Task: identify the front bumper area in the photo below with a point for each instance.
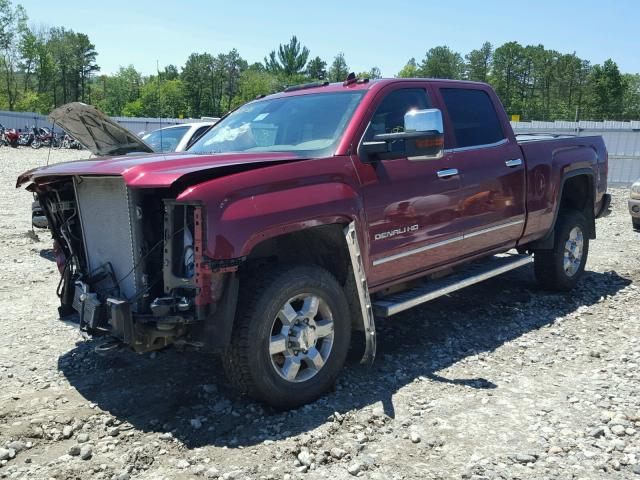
(634, 208)
(115, 317)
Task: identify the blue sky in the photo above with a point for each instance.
(372, 33)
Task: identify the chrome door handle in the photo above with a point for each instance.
(513, 163)
(448, 172)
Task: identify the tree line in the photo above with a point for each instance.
(42, 68)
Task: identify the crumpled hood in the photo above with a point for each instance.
(153, 170)
(96, 131)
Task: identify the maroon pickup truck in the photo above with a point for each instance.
(306, 214)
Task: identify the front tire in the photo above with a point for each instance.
(636, 223)
(291, 335)
(561, 267)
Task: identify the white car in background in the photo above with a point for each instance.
(177, 138)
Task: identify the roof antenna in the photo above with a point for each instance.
(159, 107)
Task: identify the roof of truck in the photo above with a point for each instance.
(364, 85)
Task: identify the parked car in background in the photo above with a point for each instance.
(634, 204)
(177, 138)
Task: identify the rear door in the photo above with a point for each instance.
(410, 204)
(492, 170)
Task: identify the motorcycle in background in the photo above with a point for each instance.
(43, 137)
(10, 137)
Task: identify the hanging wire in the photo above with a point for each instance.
(53, 132)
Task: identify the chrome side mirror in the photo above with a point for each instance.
(426, 128)
(429, 120)
(422, 139)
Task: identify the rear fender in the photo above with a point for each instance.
(547, 241)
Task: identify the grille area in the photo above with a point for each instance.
(111, 228)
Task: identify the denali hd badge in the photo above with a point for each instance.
(397, 231)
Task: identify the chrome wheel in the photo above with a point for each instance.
(573, 249)
(301, 337)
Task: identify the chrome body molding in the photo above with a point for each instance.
(431, 246)
(493, 229)
(476, 147)
(448, 241)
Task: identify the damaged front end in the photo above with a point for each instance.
(132, 263)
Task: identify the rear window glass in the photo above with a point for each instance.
(473, 116)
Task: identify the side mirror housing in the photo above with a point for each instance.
(422, 139)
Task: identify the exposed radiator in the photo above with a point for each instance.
(111, 229)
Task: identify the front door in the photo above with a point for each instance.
(410, 204)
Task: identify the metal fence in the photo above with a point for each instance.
(26, 120)
(621, 138)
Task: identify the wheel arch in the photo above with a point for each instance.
(577, 191)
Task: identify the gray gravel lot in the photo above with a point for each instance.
(502, 380)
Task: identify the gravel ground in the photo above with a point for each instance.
(502, 380)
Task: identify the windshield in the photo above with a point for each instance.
(310, 125)
(167, 140)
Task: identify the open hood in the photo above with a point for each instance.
(96, 131)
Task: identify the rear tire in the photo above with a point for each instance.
(282, 353)
(636, 223)
(561, 267)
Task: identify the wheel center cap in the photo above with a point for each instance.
(303, 337)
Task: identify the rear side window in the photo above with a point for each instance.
(473, 116)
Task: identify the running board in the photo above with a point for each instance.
(429, 290)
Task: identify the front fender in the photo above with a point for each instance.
(239, 214)
(249, 221)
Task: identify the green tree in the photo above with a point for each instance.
(372, 74)
(197, 80)
(120, 89)
(254, 82)
(631, 97)
(316, 69)
(607, 87)
(84, 64)
(13, 28)
(158, 98)
(478, 63)
(410, 70)
(339, 69)
(506, 74)
(170, 73)
(289, 60)
(441, 62)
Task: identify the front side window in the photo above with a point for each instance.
(166, 140)
(473, 117)
(310, 125)
(389, 116)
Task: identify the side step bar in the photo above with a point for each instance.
(475, 273)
